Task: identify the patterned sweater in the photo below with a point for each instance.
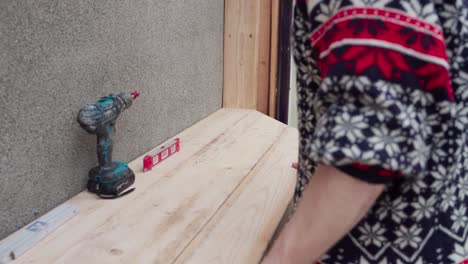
(383, 96)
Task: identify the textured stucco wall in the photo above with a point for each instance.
(59, 54)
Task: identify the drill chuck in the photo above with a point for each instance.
(92, 117)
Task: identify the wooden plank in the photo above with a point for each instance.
(240, 231)
(246, 54)
(193, 140)
(169, 207)
(273, 58)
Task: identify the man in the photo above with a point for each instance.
(383, 116)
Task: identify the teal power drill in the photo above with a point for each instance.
(110, 178)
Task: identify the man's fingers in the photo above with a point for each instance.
(295, 165)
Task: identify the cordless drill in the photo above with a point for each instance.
(110, 178)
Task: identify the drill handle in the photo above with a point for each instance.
(104, 146)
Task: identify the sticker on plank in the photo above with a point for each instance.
(24, 239)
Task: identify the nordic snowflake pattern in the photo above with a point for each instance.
(383, 96)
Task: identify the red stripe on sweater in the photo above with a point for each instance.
(385, 14)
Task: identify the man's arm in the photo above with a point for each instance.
(332, 204)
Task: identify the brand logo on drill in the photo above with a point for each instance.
(37, 226)
(120, 186)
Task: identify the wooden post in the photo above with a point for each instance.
(247, 54)
(273, 58)
(264, 51)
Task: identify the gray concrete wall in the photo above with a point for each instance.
(56, 55)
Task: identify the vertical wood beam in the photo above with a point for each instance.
(247, 54)
(263, 48)
(273, 58)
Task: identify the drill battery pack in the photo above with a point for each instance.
(111, 182)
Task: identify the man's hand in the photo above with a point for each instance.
(332, 205)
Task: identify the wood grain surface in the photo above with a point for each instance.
(247, 54)
(218, 200)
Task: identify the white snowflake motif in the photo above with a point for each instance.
(463, 187)
(377, 106)
(425, 129)
(307, 166)
(461, 118)
(457, 167)
(309, 95)
(408, 237)
(392, 89)
(349, 126)
(465, 153)
(327, 11)
(423, 208)
(372, 234)
(452, 16)
(359, 82)
(439, 153)
(382, 139)
(330, 150)
(373, 3)
(426, 12)
(464, 20)
(331, 86)
(354, 154)
(456, 170)
(416, 185)
(420, 154)
(385, 207)
(308, 118)
(300, 32)
(457, 61)
(394, 163)
(408, 117)
(398, 210)
(462, 81)
(459, 218)
(302, 29)
(439, 178)
(460, 254)
(309, 74)
(448, 198)
(318, 106)
(446, 108)
(433, 119)
(422, 98)
(465, 165)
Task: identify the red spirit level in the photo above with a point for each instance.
(160, 154)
